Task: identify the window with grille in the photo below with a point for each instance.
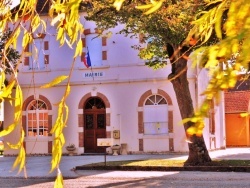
(155, 115)
(37, 118)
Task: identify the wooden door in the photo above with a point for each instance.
(94, 128)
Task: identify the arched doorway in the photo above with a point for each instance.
(94, 124)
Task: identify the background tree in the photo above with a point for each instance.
(164, 31)
(9, 60)
(227, 59)
(10, 57)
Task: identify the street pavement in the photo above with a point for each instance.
(39, 166)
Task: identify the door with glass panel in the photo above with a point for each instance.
(37, 128)
(94, 125)
(37, 119)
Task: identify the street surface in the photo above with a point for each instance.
(38, 168)
(139, 179)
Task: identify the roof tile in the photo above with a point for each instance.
(237, 101)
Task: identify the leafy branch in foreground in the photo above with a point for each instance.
(225, 59)
(65, 15)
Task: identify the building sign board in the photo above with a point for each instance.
(104, 141)
(93, 74)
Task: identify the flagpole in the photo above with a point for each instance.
(90, 64)
(92, 72)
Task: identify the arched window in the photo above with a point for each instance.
(94, 103)
(155, 115)
(37, 118)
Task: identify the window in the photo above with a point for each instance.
(94, 103)
(155, 115)
(95, 46)
(39, 58)
(37, 118)
(37, 54)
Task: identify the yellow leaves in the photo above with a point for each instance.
(35, 22)
(19, 144)
(8, 130)
(141, 7)
(197, 125)
(118, 4)
(197, 129)
(20, 160)
(222, 52)
(18, 104)
(234, 29)
(210, 20)
(78, 51)
(246, 114)
(67, 91)
(58, 18)
(60, 36)
(56, 81)
(2, 79)
(235, 47)
(27, 38)
(68, 20)
(218, 18)
(57, 130)
(59, 180)
(237, 16)
(13, 40)
(154, 6)
(6, 92)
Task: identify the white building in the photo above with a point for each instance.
(117, 93)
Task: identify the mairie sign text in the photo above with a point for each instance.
(93, 74)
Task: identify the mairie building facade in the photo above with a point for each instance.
(117, 98)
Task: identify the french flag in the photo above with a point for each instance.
(86, 60)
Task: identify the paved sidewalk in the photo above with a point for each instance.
(40, 166)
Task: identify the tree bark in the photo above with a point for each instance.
(198, 153)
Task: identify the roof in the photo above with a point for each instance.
(237, 101)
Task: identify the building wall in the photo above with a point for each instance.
(214, 140)
(122, 79)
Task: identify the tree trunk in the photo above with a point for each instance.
(198, 153)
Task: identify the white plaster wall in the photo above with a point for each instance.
(39, 146)
(156, 144)
(13, 137)
(219, 142)
(125, 80)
